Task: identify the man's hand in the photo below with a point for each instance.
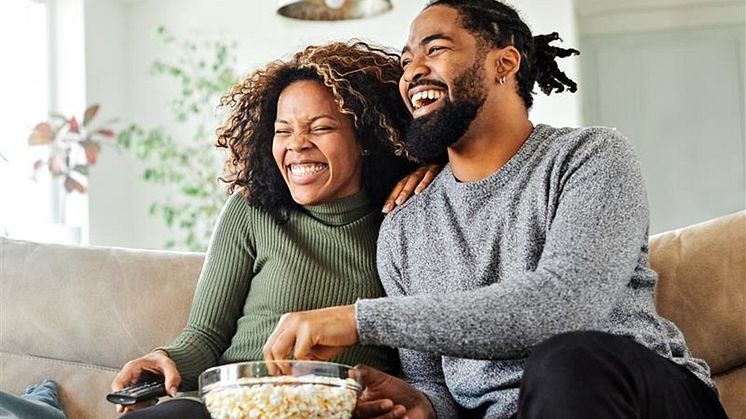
(316, 334)
(388, 397)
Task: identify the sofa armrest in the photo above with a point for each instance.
(702, 287)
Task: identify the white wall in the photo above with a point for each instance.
(120, 50)
(111, 180)
(669, 74)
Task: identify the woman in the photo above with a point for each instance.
(312, 156)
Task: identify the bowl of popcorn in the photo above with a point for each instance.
(280, 389)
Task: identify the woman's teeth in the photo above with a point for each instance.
(306, 169)
(425, 97)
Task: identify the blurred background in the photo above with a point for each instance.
(108, 107)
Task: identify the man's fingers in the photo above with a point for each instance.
(302, 346)
(373, 408)
(283, 346)
(397, 412)
(370, 377)
(277, 349)
(325, 353)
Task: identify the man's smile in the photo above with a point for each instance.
(425, 99)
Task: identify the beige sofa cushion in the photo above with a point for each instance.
(101, 306)
(82, 388)
(702, 287)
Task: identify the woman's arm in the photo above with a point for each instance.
(220, 295)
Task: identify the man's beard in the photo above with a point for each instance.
(429, 136)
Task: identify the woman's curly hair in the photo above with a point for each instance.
(364, 82)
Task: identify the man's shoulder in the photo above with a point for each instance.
(417, 206)
(592, 136)
(586, 142)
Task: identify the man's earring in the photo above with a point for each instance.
(501, 80)
(364, 152)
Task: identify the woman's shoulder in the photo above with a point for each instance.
(239, 207)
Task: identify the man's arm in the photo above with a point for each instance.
(425, 373)
(591, 250)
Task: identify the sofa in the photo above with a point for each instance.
(76, 314)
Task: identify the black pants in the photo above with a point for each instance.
(173, 409)
(598, 375)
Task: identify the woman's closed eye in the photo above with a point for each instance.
(322, 129)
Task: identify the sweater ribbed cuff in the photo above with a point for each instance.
(365, 311)
(443, 404)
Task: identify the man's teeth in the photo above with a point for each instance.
(424, 97)
(306, 169)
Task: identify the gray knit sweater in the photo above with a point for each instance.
(481, 272)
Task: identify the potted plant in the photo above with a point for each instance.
(73, 148)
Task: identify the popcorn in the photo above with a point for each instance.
(308, 396)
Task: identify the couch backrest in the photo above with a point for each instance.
(100, 306)
(702, 287)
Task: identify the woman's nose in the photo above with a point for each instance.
(298, 143)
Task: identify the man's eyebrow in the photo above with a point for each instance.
(428, 39)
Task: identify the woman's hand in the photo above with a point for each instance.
(157, 362)
(315, 334)
(415, 182)
(389, 397)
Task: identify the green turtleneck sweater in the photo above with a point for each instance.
(256, 270)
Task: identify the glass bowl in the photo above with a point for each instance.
(280, 389)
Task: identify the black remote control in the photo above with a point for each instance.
(149, 386)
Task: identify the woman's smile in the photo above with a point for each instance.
(305, 173)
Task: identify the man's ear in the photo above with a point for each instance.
(505, 63)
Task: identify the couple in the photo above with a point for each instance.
(517, 283)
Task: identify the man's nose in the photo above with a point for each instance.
(415, 70)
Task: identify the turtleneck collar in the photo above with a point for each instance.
(341, 211)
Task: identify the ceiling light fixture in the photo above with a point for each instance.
(332, 9)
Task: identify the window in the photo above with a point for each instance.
(29, 208)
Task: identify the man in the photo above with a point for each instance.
(518, 282)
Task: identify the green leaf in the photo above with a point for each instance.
(58, 116)
(82, 169)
